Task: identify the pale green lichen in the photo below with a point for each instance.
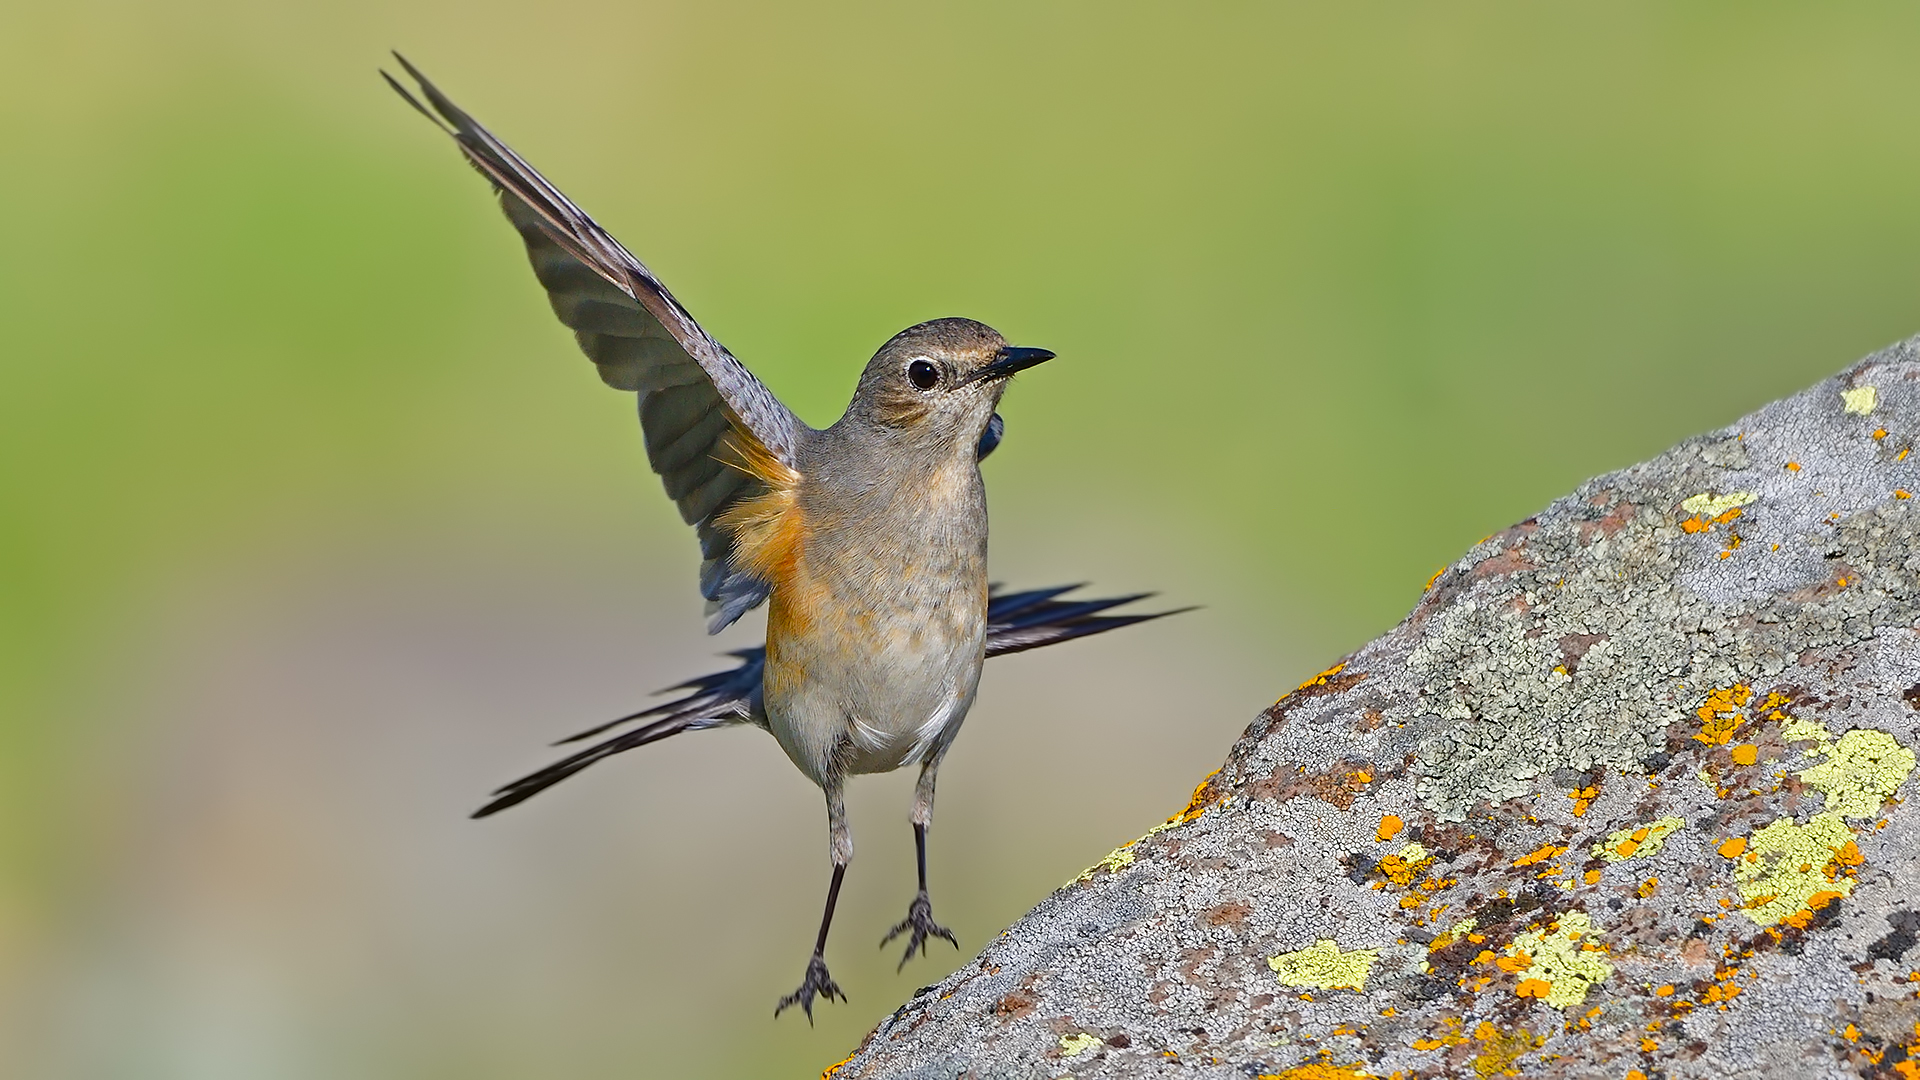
(1711, 505)
(1323, 966)
(1860, 400)
(1861, 771)
(1789, 867)
(1623, 844)
(1785, 869)
(1560, 959)
(1120, 858)
(1077, 1043)
(1412, 853)
(1798, 730)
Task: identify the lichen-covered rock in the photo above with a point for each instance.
(1621, 797)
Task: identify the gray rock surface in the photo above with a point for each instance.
(1621, 796)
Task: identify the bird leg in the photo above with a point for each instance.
(919, 924)
(817, 981)
(840, 837)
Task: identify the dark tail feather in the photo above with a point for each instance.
(1015, 622)
(728, 697)
(723, 693)
(1020, 621)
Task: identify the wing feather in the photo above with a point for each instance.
(692, 391)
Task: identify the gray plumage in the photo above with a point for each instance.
(867, 539)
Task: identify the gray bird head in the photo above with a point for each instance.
(934, 386)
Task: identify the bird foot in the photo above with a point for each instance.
(919, 920)
(817, 981)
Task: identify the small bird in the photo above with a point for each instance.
(867, 540)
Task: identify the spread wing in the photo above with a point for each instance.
(693, 393)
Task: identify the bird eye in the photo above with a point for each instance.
(923, 374)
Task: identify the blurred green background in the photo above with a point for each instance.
(313, 525)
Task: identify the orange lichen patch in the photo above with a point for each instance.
(1648, 887)
(1402, 868)
(1696, 524)
(1500, 1050)
(1592, 877)
(827, 1073)
(1799, 919)
(1635, 1074)
(1720, 714)
(1538, 855)
(1436, 577)
(1583, 797)
(1648, 1046)
(1533, 988)
(1902, 494)
(1514, 964)
(1793, 466)
(1902, 455)
(1411, 901)
(1204, 796)
(1879, 433)
(1318, 1071)
(1734, 848)
(1850, 1033)
(1390, 827)
(1322, 678)
(1663, 991)
(1746, 754)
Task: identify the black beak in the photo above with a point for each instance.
(1011, 359)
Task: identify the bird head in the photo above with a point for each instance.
(934, 386)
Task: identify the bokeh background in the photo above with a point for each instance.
(314, 527)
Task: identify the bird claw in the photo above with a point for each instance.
(919, 920)
(817, 981)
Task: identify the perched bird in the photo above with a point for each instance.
(867, 540)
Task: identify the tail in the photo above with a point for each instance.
(1016, 622)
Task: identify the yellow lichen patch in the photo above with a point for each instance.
(1077, 1043)
(1538, 855)
(1390, 827)
(1787, 865)
(1404, 865)
(827, 1073)
(1622, 844)
(1459, 930)
(1450, 1035)
(1720, 714)
(1711, 505)
(1860, 400)
(1861, 771)
(1324, 966)
(1745, 754)
(1567, 964)
(1500, 1050)
(1117, 860)
(1319, 1071)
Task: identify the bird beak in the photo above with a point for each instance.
(1011, 359)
